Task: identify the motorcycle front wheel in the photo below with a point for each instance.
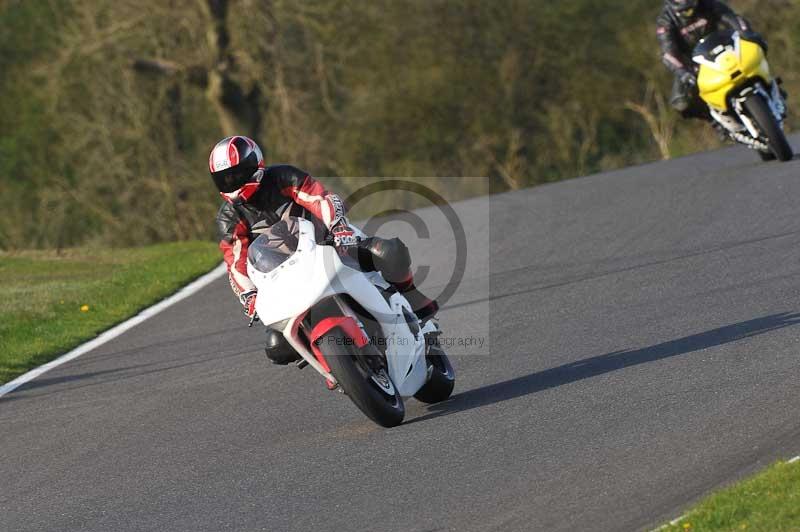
(442, 378)
(759, 111)
(362, 375)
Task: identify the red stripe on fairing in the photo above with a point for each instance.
(320, 357)
(348, 326)
(233, 153)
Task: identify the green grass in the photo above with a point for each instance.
(50, 302)
(769, 501)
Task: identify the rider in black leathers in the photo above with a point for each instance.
(259, 195)
(680, 26)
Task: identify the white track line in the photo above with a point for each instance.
(671, 523)
(678, 519)
(112, 333)
(793, 460)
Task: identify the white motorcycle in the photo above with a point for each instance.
(351, 326)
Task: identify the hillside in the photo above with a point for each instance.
(108, 108)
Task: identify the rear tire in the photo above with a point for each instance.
(443, 378)
(759, 111)
(346, 363)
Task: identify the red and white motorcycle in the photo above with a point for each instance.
(351, 326)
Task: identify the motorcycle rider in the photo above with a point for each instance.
(257, 195)
(679, 27)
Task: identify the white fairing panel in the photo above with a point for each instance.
(405, 351)
(315, 272)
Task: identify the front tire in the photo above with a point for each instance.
(759, 111)
(442, 380)
(350, 365)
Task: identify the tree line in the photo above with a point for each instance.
(108, 108)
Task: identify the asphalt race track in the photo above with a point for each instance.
(642, 333)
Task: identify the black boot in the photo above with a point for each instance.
(278, 349)
(391, 258)
(781, 89)
(722, 133)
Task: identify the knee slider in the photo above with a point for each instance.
(392, 258)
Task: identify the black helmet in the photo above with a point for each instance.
(235, 162)
(683, 8)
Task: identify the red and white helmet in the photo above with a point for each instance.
(236, 165)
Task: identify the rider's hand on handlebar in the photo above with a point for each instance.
(343, 235)
(688, 79)
(249, 302)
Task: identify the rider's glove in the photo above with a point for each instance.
(248, 300)
(343, 235)
(688, 79)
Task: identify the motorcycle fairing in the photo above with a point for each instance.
(727, 61)
(316, 272)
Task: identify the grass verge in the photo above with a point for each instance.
(51, 302)
(769, 501)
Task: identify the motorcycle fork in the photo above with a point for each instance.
(774, 100)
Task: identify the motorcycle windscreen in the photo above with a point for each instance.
(263, 255)
(713, 45)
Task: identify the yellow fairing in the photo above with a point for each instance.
(716, 82)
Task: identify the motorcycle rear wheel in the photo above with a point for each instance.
(759, 111)
(348, 363)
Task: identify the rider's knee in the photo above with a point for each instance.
(390, 257)
(680, 103)
(395, 250)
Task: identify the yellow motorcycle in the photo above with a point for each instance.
(742, 95)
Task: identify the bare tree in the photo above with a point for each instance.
(658, 116)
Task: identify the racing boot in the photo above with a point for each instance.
(782, 89)
(278, 350)
(391, 258)
(722, 133)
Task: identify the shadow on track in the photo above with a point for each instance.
(599, 365)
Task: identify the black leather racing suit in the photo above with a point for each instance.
(678, 36)
(288, 191)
